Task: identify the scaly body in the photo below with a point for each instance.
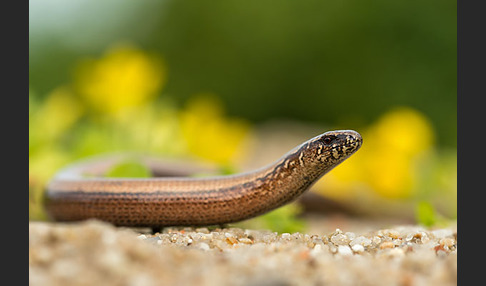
(159, 202)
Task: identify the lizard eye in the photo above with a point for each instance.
(328, 139)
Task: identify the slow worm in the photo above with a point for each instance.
(177, 201)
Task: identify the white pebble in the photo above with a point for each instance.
(358, 248)
(340, 239)
(376, 240)
(344, 250)
(425, 238)
(350, 235)
(332, 248)
(361, 240)
(203, 246)
(316, 250)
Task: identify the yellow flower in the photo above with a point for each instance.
(385, 163)
(404, 130)
(208, 134)
(122, 78)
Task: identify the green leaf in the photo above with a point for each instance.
(283, 219)
(425, 213)
(129, 169)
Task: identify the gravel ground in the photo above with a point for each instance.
(96, 253)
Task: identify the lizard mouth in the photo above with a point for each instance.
(345, 150)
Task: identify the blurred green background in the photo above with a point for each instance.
(150, 75)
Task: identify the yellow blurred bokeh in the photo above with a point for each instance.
(209, 134)
(123, 78)
(386, 162)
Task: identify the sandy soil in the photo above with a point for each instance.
(96, 253)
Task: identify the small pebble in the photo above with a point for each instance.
(358, 248)
(285, 236)
(245, 240)
(449, 242)
(350, 235)
(340, 239)
(392, 233)
(376, 240)
(387, 244)
(344, 250)
(203, 246)
(231, 240)
(361, 240)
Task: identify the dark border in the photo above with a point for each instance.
(14, 137)
(471, 78)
